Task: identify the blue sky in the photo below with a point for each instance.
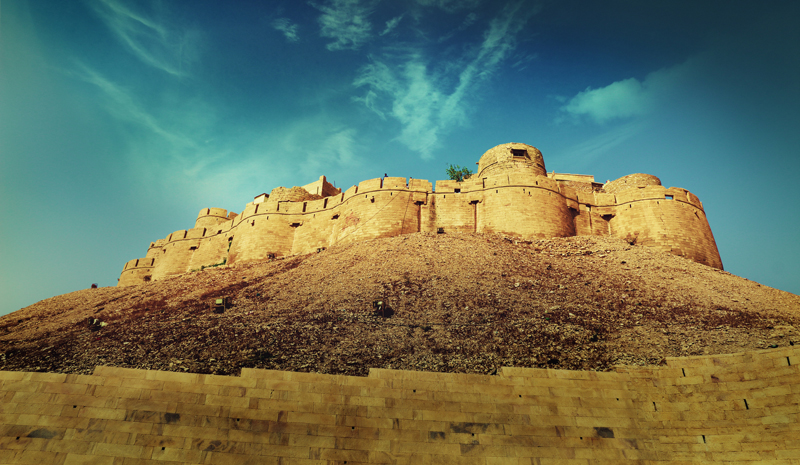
(120, 120)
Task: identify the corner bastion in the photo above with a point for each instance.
(511, 194)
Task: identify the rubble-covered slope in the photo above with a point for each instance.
(457, 303)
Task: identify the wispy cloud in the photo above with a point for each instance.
(469, 20)
(345, 21)
(451, 5)
(189, 152)
(288, 28)
(391, 24)
(626, 98)
(169, 49)
(523, 61)
(428, 103)
(602, 144)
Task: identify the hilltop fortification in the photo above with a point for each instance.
(511, 194)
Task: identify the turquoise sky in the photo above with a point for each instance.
(120, 120)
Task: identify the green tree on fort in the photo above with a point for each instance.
(457, 173)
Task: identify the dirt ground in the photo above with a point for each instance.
(465, 303)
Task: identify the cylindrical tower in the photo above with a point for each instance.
(519, 198)
(209, 217)
(671, 220)
(631, 180)
(516, 157)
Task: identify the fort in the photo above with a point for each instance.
(511, 194)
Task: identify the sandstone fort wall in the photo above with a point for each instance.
(512, 196)
(741, 408)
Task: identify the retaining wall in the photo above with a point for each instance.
(740, 408)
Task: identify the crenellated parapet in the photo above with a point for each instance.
(511, 194)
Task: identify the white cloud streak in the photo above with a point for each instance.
(345, 21)
(152, 42)
(288, 28)
(391, 25)
(187, 152)
(419, 98)
(627, 98)
(451, 5)
(602, 144)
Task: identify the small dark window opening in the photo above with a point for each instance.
(458, 191)
(607, 217)
(253, 223)
(668, 197)
(218, 232)
(147, 280)
(704, 439)
(372, 199)
(438, 231)
(325, 204)
(747, 407)
(304, 206)
(295, 225)
(194, 247)
(335, 217)
(519, 153)
(256, 212)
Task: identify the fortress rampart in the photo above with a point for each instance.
(732, 409)
(511, 194)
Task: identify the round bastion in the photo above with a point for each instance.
(629, 181)
(512, 156)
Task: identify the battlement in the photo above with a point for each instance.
(511, 194)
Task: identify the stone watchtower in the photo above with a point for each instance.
(514, 157)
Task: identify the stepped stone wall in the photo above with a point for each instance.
(740, 408)
(511, 194)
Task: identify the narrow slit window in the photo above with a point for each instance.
(519, 153)
(667, 197)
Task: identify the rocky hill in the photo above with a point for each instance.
(456, 303)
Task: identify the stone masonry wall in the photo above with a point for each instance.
(741, 408)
